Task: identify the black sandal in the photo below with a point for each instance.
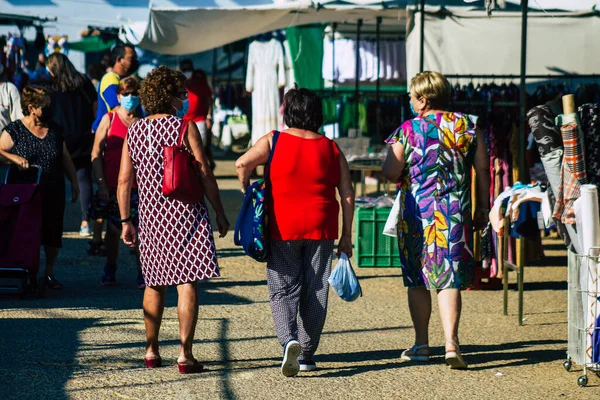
(53, 283)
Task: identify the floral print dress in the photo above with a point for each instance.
(435, 223)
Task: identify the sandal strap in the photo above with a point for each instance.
(416, 348)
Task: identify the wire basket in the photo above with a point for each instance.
(583, 312)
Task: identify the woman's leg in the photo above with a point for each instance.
(284, 280)
(113, 235)
(154, 305)
(450, 304)
(84, 178)
(419, 304)
(51, 256)
(187, 313)
(318, 256)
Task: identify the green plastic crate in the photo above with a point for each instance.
(372, 247)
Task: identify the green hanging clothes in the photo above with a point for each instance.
(330, 115)
(348, 120)
(306, 47)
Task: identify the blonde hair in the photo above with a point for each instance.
(432, 86)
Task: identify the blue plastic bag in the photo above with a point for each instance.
(343, 280)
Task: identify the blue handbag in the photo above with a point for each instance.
(251, 225)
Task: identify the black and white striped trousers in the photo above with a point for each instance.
(297, 273)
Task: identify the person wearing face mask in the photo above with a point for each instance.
(176, 241)
(10, 101)
(73, 103)
(106, 160)
(35, 139)
(200, 98)
(431, 156)
(122, 63)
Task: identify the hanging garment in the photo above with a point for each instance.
(549, 142)
(545, 132)
(328, 70)
(589, 115)
(290, 78)
(572, 173)
(266, 74)
(345, 60)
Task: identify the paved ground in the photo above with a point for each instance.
(87, 342)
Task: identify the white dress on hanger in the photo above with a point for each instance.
(265, 75)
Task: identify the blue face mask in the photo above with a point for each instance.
(184, 109)
(130, 102)
(412, 109)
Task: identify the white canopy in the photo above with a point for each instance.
(191, 30)
(471, 43)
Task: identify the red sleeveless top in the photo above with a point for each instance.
(304, 176)
(113, 150)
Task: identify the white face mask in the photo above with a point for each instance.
(188, 74)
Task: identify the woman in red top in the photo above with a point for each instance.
(305, 172)
(106, 160)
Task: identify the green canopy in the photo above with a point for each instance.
(92, 44)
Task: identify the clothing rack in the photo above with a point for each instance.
(358, 34)
(492, 76)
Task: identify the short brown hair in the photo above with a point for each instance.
(302, 109)
(130, 83)
(159, 88)
(432, 86)
(33, 95)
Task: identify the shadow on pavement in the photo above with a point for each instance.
(93, 296)
(529, 286)
(474, 356)
(38, 356)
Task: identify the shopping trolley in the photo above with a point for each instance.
(583, 313)
(20, 230)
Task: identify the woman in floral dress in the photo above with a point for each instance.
(431, 157)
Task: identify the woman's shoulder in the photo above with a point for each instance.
(459, 117)
(138, 124)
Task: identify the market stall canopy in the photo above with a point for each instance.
(466, 43)
(566, 5)
(190, 30)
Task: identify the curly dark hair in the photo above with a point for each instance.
(35, 96)
(159, 88)
(302, 109)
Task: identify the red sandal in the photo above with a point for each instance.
(153, 362)
(194, 368)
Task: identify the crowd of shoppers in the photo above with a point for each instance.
(107, 131)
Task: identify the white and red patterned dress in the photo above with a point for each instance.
(175, 239)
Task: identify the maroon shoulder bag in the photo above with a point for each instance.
(181, 180)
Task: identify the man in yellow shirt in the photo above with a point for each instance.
(124, 62)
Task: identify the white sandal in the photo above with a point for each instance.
(454, 359)
(411, 354)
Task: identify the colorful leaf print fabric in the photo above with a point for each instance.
(434, 224)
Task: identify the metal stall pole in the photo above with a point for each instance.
(378, 87)
(522, 141)
(229, 74)
(422, 44)
(357, 78)
(214, 70)
(333, 28)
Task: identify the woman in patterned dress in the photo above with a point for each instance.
(431, 157)
(176, 243)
